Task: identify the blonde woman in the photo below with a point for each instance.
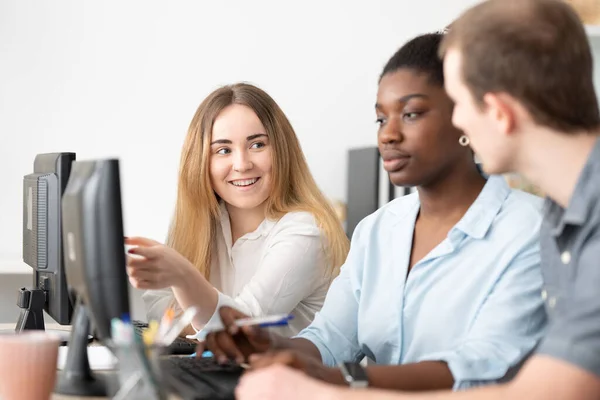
(251, 228)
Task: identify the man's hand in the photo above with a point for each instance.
(278, 382)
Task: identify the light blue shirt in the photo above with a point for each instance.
(474, 301)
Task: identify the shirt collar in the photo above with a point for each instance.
(582, 200)
(479, 217)
(263, 229)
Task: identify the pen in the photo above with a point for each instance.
(262, 322)
(165, 322)
(173, 331)
(150, 334)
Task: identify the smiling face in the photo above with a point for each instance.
(416, 138)
(241, 158)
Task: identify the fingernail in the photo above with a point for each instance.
(222, 360)
(239, 360)
(233, 329)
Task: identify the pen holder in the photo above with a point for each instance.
(138, 371)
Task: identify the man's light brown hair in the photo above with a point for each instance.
(537, 51)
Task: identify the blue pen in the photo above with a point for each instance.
(263, 322)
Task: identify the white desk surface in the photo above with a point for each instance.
(56, 396)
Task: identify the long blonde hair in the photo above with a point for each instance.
(194, 225)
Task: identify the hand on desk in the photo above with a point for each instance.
(157, 267)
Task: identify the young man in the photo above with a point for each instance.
(520, 73)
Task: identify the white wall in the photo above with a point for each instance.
(123, 78)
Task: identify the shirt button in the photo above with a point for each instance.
(552, 302)
(565, 257)
(544, 295)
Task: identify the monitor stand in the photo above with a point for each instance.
(31, 302)
(77, 378)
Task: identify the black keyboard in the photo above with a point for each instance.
(181, 346)
(195, 378)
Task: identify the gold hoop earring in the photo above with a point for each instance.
(464, 140)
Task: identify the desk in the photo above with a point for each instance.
(63, 397)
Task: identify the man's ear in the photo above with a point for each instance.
(500, 108)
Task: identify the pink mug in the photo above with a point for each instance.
(28, 365)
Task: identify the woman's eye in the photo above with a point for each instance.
(380, 121)
(410, 116)
(257, 145)
(223, 151)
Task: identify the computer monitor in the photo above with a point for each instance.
(42, 242)
(95, 266)
(362, 192)
(368, 186)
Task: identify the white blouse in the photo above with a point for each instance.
(279, 268)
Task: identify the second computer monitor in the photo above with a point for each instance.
(42, 237)
(94, 243)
